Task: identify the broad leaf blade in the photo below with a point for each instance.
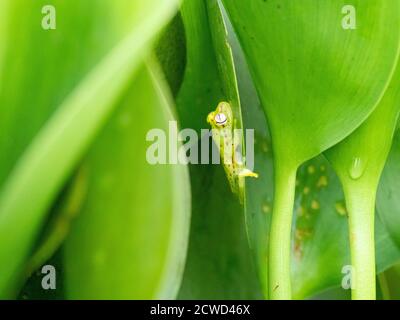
(129, 241)
(46, 163)
(316, 80)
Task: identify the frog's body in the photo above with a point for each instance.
(223, 123)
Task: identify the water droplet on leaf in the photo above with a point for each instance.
(357, 168)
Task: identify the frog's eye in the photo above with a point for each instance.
(221, 119)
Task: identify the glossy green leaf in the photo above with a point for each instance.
(129, 241)
(319, 238)
(359, 161)
(320, 245)
(316, 90)
(313, 96)
(35, 169)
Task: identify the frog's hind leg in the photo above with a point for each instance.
(244, 173)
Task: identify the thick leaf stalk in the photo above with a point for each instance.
(360, 201)
(280, 233)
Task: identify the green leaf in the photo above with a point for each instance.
(33, 289)
(220, 33)
(35, 169)
(321, 247)
(319, 237)
(388, 200)
(320, 244)
(171, 53)
(219, 264)
(130, 239)
(307, 107)
(201, 89)
(59, 222)
(390, 283)
(359, 161)
(258, 191)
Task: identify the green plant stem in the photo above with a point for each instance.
(280, 233)
(360, 199)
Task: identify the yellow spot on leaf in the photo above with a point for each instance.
(311, 169)
(266, 208)
(315, 205)
(265, 147)
(341, 208)
(322, 182)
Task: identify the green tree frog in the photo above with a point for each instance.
(229, 146)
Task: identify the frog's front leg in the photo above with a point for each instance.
(239, 160)
(246, 173)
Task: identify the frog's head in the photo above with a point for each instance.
(221, 117)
